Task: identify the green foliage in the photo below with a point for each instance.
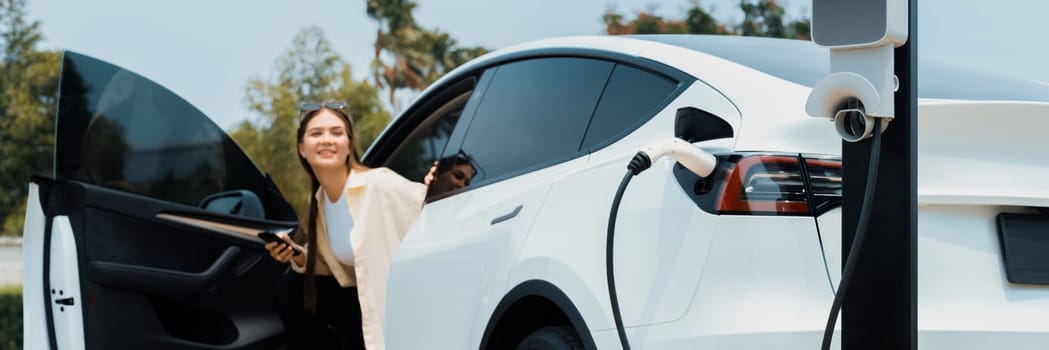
(699, 20)
(762, 18)
(28, 87)
(11, 317)
(12, 224)
(308, 71)
(408, 56)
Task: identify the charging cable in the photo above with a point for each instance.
(697, 160)
(703, 164)
(858, 238)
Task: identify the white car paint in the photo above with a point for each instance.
(64, 279)
(470, 280)
(34, 320)
(65, 283)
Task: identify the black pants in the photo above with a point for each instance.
(337, 323)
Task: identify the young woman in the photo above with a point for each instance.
(337, 293)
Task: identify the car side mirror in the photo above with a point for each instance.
(236, 202)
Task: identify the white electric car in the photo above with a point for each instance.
(143, 237)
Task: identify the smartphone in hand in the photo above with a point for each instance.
(269, 236)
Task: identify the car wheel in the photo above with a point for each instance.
(551, 338)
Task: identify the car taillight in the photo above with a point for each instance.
(762, 184)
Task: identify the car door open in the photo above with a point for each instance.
(145, 235)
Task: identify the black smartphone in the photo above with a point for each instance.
(272, 237)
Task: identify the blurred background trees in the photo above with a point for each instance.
(760, 18)
(407, 58)
(28, 88)
(308, 71)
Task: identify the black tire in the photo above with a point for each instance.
(551, 338)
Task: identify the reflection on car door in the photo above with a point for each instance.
(146, 231)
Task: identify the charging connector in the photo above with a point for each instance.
(697, 160)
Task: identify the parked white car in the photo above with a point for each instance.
(143, 237)
(743, 260)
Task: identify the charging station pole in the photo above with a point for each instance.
(880, 310)
(873, 77)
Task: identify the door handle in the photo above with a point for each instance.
(508, 216)
(160, 281)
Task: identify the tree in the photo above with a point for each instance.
(408, 56)
(699, 21)
(28, 87)
(308, 71)
(761, 18)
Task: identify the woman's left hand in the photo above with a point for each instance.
(284, 251)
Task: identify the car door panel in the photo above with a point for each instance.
(157, 278)
(147, 228)
(453, 235)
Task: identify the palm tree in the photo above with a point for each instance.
(406, 55)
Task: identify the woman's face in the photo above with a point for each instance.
(326, 142)
(457, 177)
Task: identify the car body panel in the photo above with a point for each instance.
(655, 221)
(983, 153)
(959, 263)
(472, 227)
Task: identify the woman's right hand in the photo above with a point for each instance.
(431, 175)
(283, 251)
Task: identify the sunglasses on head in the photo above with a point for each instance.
(307, 107)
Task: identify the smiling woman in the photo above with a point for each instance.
(357, 218)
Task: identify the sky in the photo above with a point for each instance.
(206, 51)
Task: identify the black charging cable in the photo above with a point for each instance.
(858, 238)
(639, 163)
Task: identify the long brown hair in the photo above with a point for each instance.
(309, 235)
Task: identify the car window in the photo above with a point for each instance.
(414, 157)
(631, 97)
(122, 131)
(533, 113)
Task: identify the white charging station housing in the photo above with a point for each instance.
(845, 24)
(861, 35)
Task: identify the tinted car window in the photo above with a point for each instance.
(533, 113)
(415, 156)
(631, 97)
(120, 130)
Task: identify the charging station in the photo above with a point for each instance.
(874, 75)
